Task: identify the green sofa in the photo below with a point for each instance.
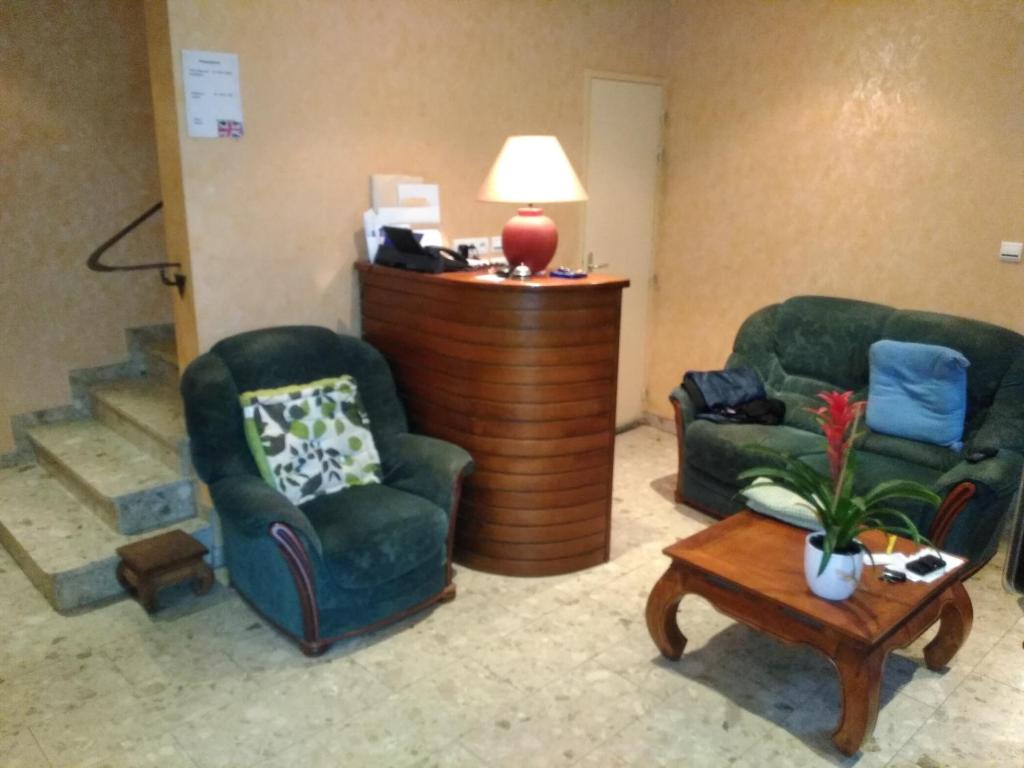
(813, 343)
(341, 563)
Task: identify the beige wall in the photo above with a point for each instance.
(77, 163)
(865, 149)
(335, 91)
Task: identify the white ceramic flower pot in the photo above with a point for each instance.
(841, 575)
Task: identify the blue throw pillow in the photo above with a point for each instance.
(918, 391)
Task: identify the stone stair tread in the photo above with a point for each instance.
(153, 404)
(165, 348)
(104, 460)
(58, 531)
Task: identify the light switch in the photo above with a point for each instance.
(1010, 252)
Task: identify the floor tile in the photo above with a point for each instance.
(562, 723)
(1005, 661)
(19, 749)
(979, 725)
(523, 672)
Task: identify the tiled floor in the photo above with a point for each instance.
(515, 672)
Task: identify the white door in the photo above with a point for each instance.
(624, 134)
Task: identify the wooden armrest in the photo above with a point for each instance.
(681, 440)
(949, 509)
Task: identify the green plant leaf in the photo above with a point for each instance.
(908, 524)
(902, 489)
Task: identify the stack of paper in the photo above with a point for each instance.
(898, 562)
(402, 201)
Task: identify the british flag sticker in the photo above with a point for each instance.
(230, 129)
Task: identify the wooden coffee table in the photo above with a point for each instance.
(750, 567)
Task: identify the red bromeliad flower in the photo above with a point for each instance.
(836, 418)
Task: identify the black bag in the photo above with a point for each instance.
(732, 396)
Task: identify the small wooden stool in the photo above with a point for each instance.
(149, 565)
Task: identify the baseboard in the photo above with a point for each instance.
(663, 423)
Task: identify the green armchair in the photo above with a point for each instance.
(813, 343)
(342, 563)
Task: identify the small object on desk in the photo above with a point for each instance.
(890, 544)
(521, 272)
(149, 565)
(900, 562)
(893, 576)
(924, 565)
(567, 273)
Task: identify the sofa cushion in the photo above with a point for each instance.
(827, 339)
(799, 409)
(372, 534)
(720, 449)
(918, 391)
(927, 455)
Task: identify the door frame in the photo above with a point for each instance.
(589, 75)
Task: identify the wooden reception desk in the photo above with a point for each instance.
(523, 376)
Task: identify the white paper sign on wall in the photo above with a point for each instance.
(213, 100)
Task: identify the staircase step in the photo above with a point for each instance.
(64, 550)
(165, 349)
(128, 489)
(155, 348)
(160, 356)
(147, 412)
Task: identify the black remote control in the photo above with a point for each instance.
(922, 566)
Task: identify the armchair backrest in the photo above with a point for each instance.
(270, 358)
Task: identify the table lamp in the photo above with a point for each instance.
(531, 169)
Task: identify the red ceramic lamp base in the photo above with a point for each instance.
(530, 238)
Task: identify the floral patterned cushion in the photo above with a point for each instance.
(311, 439)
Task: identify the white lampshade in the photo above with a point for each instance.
(532, 169)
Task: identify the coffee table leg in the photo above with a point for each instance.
(662, 605)
(954, 626)
(860, 677)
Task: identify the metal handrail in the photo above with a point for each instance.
(93, 262)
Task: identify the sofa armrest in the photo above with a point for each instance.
(253, 507)
(682, 402)
(976, 499)
(998, 474)
(1003, 423)
(685, 413)
(427, 467)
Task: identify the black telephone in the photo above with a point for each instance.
(401, 249)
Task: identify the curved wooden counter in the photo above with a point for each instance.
(522, 375)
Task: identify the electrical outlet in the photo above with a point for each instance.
(1010, 252)
(496, 244)
(480, 244)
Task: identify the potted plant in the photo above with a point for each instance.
(833, 556)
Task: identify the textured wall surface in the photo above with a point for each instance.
(872, 150)
(77, 163)
(333, 92)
